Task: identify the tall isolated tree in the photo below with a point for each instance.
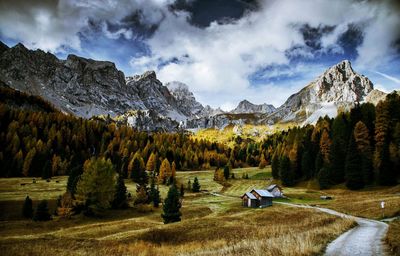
(154, 192)
(226, 172)
(196, 185)
(27, 209)
(172, 204)
(96, 187)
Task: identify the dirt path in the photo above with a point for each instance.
(364, 239)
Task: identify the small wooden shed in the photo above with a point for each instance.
(249, 200)
(264, 197)
(275, 190)
(257, 198)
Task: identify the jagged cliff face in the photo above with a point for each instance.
(186, 102)
(339, 87)
(76, 85)
(87, 88)
(245, 107)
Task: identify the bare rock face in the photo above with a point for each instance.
(86, 88)
(185, 100)
(247, 107)
(339, 87)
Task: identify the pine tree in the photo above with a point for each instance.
(173, 169)
(325, 146)
(136, 169)
(189, 185)
(353, 170)
(196, 185)
(172, 205)
(96, 187)
(165, 171)
(362, 139)
(73, 179)
(386, 174)
(319, 163)
(307, 165)
(42, 212)
(226, 172)
(324, 179)
(120, 198)
(154, 193)
(27, 168)
(285, 172)
(46, 171)
(151, 162)
(27, 209)
(275, 166)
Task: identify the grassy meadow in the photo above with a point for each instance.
(213, 221)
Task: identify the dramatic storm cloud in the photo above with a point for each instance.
(225, 50)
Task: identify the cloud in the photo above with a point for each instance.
(222, 57)
(391, 78)
(52, 25)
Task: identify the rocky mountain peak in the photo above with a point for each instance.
(148, 75)
(185, 99)
(340, 84)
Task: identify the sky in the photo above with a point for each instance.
(224, 50)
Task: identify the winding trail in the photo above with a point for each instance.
(366, 239)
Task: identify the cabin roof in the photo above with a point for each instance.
(272, 186)
(249, 195)
(263, 193)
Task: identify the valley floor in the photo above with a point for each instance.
(211, 225)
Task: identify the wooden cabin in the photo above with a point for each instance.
(257, 198)
(275, 190)
(249, 200)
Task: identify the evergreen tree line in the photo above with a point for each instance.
(360, 147)
(39, 143)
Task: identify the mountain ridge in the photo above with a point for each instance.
(87, 88)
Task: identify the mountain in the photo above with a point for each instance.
(84, 87)
(338, 88)
(247, 107)
(186, 102)
(90, 88)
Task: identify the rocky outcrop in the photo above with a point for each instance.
(185, 100)
(247, 107)
(86, 88)
(339, 87)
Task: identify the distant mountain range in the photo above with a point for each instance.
(97, 89)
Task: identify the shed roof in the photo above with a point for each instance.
(271, 187)
(249, 195)
(263, 193)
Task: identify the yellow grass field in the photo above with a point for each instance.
(212, 224)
